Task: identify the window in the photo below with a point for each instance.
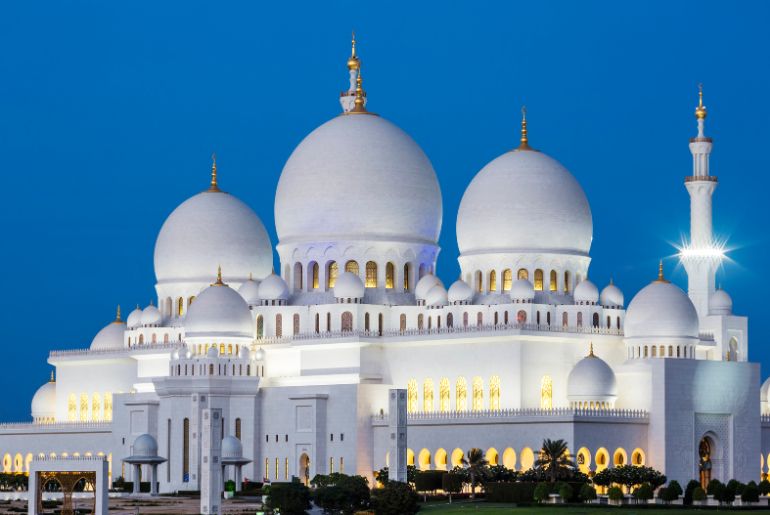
(190, 301)
(427, 395)
(554, 279)
(267, 468)
(347, 321)
(546, 393)
(72, 407)
(313, 269)
(331, 274)
(479, 319)
(328, 322)
(494, 393)
(443, 394)
(492, 280)
(566, 281)
(317, 323)
(298, 276)
(179, 306)
(186, 450)
(406, 277)
(96, 407)
(238, 428)
(522, 274)
(331, 465)
(352, 267)
(507, 279)
(278, 325)
(286, 468)
(479, 282)
(595, 319)
(411, 396)
(580, 319)
(565, 319)
(521, 317)
(83, 407)
(420, 321)
(465, 319)
(371, 274)
(461, 394)
(390, 276)
(296, 324)
(478, 394)
(108, 406)
(450, 320)
(538, 280)
(379, 324)
(366, 322)
(260, 327)
(402, 322)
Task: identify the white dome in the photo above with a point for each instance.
(145, 446)
(348, 286)
(151, 316)
(249, 290)
(44, 402)
(259, 354)
(436, 296)
(231, 447)
(273, 287)
(586, 292)
(720, 303)
(212, 352)
(460, 291)
(524, 201)
(358, 177)
(611, 296)
(219, 311)
(208, 230)
(763, 391)
(661, 310)
(424, 285)
(134, 319)
(110, 337)
(522, 289)
(592, 380)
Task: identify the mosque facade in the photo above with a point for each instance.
(301, 358)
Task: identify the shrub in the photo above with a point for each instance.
(675, 487)
(698, 494)
(289, 498)
(510, 492)
(689, 489)
(629, 476)
(428, 480)
(396, 498)
(713, 487)
(566, 492)
(669, 493)
(587, 493)
(728, 494)
(644, 492)
(451, 483)
(615, 494)
(340, 493)
(542, 491)
(229, 485)
(764, 487)
(500, 473)
(750, 494)
(735, 486)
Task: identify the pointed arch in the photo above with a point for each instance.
(492, 280)
(538, 280)
(494, 393)
(390, 275)
(507, 279)
(546, 392)
(522, 273)
(427, 395)
(332, 270)
(411, 396)
(443, 394)
(553, 283)
(478, 394)
(461, 394)
(371, 275)
(352, 267)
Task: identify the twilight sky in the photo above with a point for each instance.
(109, 112)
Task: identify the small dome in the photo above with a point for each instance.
(44, 402)
(110, 337)
(219, 311)
(611, 296)
(244, 352)
(259, 355)
(592, 380)
(151, 316)
(249, 290)
(348, 286)
(460, 291)
(763, 391)
(212, 352)
(145, 446)
(586, 292)
(522, 289)
(231, 447)
(720, 303)
(273, 287)
(661, 310)
(424, 284)
(436, 296)
(134, 318)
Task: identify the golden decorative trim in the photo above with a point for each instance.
(591, 350)
(661, 277)
(524, 145)
(700, 111)
(353, 62)
(219, 278)
(117, 316)
(214, 187)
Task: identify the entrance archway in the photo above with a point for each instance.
(304, 468)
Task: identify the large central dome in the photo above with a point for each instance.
(358, 177)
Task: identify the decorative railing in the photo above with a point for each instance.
(485, 328)
(765, 418)
(709, 337)
(695, 178)
(521, 412)
(57, 426)
(69, 458)
(150, 347)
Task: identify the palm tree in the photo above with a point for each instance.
(477, 467)
(554, 458)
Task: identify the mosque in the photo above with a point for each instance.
(301, 358)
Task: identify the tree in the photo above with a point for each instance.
(501, 473)
(566, 492)
(452, 483)
(554, 459)
(689, 489)
(476, 464)
(289, 498)
(587, 493)
(675, 488)
(643, 492)
(615, 494)
(382, 476)
(396, 498)
(750, 493)
(698, 494)
(629, 476)
(764, 487)
(340, 493)
(542, 491)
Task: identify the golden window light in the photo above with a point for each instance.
(84, 407)
(411, 396)
(371, 275)
(406, 277)
(478, 394)
(554, 279)
(492, 280)
(314, 269)
(443, 388)
(72, 407)
(507, 279)
(331, 274)
(538, 280)
(427, 395)
(546, 393)
(352, 267)
(494, 393)
(390, 274)
(461, 394)
(522, 274)
(96, 407)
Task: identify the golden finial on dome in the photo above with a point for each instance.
(214, 186)
(591, 350)
(353, 62)
(359, 106)
(524, 145)
(661, 277)
(53, 378)
(219, 277)
(117, 315)
(700, 111)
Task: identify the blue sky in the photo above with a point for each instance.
(109, 112)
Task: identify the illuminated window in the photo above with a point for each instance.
(427, 395)
(96, 406)
(479, 282)
(261, 327)
(554, 279)
(461, 394)
(342, 465)
(314, 272)
(371, 274)
(406, 277)
(538, 280)
(297, 276)
(390, 275)
(580, 319)
(238, 428)
(267, 468)
(278, 325)
(443, 394)
(83, 407)
(221, 349)
(286, 468)
(108, 406)
(420, 321)
(331, 465)
(494, 393)
(331, 274)
(565, 319)
(179, 306)
(72, 407)
(478, 394)
(276, 469)
(492, 281)
(352, 267)
(450, 321)
(411, 396)
(546, 393)
(141, 339)
(507, 279)
(522, 274)
(566, 281)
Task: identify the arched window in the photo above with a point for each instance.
(367, 326)
(278, 325)
(238, 428)
(617, 323)
(371, 274)
(186, 450)
(554, 279)
(84, 407)
(494, 393)
(670, 351)
(190, 301)
(450, 320)
(496, 318)
(379, 324)
(521, 317)
(566, 281)
(260, 327)
(331, 274)
(546, 393)
(427, 395)
(296, 324)
(443, 393)
(478, 394)
(317, 323)
(522, 274)
(565, 319)
(312, 269)
(298, 276)
(479, 319)
(609, 322)
(595, 320)
(507, 279)
(402, 322)
(347, 321)
(407, 268)
(461, 394)
(492, 280)
(352, 267)
(141, 339)
(221, 349)
(154, 338)
(72, 407)
(420, 321)
(479, 282)
(548, 318)
(580, 319)
(411, 396)
(538, 280)
(328, 322)
(179, 306)
(537, 318)
(390, 275)
(506, 318)
(108, 406)
(465, 319)
(165, 338)
(96, 407)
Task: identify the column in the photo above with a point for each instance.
(136, 478)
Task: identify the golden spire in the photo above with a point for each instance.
(700, 111)
(661, 277)
(53, 378)
(219, 277)
(591, 350)
(353, 62)
(117, 315)
(214, 186)
(524, 145)
(359, 106)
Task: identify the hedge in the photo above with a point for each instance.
(510, 492)
(428, 480)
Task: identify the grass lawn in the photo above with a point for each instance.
(484, 508)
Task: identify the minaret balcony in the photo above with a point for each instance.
(696, 178)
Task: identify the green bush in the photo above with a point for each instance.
(229, 485)
(669, 493)
(289, 498)
(675, 488)
(452, 483)
(566, 492)
(542, 491)
(689, 489)
(615, 494)
(395, 498)
(629, 476)
(643, 492)
(510, 492)
(750, 494)
(764, 487)
(340, 493)
(735, 486)
(587, 493)
(428, 480)
(713, 487)
(698, 494)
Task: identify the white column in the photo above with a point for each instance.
(136, 479)
(154, 480)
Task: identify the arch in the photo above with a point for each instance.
(422, 271)
(427, 395)
(402, 322)
(108, 406)
(411, 396)
(507, 279)
(367, 325)
(295, 324)
(423, 459)
(566, 281)
(505, 317)
(440, 459)
(527, 459)
(390, 275)
(72, 407)
(509, 458)
(444, 404)
(332, 270)
(18, 463)
(169, 306)
(580, 319)
(538, 280)
(492, 280)
(732, 349)
(409, 456)
(261, 326)
(298, 276)
(461, 394)
(565, 319)
(352, 266)
(553, 281)
(450, 320)
(96, 407)
(496, 318)
(638, 457)
(601, 459)
(583, 460)
(379, 324)
(479, 281)
(465, 319)
(304, 468)
(620, 457)
(479, 319)
(522, 273)
(547, 318)
(521, 317)
(141, 339)
(371, 274)
(179, 306)
(596, 320)
(494, 393)
(708, 453)
(278, 325)
(457, 458)
(7, 463)
(478, 394)
(420, 321)
(84, 415)
(347, 321)
(546, 392)
(312, 275)
(407, 280)
(492, 456)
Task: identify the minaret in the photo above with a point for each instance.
(348, 98)
(701, 256)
